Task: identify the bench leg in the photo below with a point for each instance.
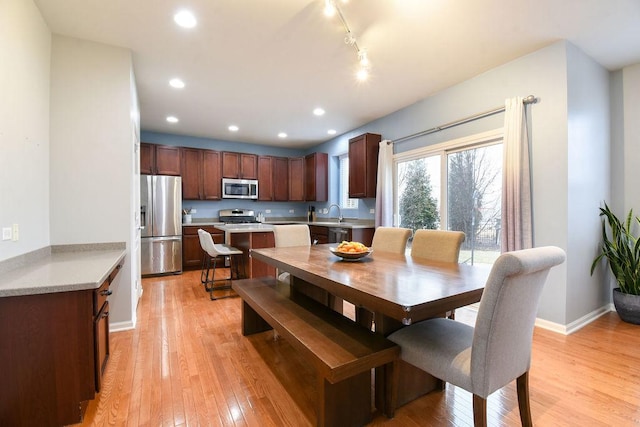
(252, 323)
(346, 403)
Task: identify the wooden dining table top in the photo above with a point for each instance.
(401, 287)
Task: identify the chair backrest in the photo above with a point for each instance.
(437, 245)
(206, 242)
(501, 348)
(291, 235)
(390, 239)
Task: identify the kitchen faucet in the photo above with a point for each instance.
(339, 212)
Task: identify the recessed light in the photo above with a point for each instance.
(177, 83)
(318, 111)
(172, 119)
(282, 135)
(234, 128)
(362, 74)
(185, 19)
(331, 131)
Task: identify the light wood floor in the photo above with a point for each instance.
(187, 363)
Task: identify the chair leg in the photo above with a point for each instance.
(523, 399)
(479, 411)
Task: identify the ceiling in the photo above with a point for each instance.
(265, 65)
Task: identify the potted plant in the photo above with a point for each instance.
(621, 249)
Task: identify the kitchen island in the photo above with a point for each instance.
(247, 237)
(54, 329)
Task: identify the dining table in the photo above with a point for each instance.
(398, 289)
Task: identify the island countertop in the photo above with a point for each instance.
(60, 269)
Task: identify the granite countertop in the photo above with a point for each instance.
(248, 228)
(60, 269)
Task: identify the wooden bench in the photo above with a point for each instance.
(342, 351)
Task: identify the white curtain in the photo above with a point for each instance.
(517, 229)
(384, 190)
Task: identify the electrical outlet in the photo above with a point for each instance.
(267, 211)
(6, 233)
(325, 211)
(193, 211)
(15, 233)
(291, 210)
(372, 211)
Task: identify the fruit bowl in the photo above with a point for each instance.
(350, 256)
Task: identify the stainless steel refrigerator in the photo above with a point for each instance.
(161, 219)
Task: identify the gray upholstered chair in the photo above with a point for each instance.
(213, 252)
(390, 239)
(484, 359)
(437, 245)
(290, 235)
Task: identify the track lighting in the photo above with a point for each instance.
(331, 8)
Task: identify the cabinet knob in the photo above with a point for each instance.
(106, 292)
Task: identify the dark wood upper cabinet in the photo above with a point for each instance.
(239, 165)
(296, 179)
(363, 165)
(316, 177)
(159, 159)
(265, 178)
(200, 174)
(280, 179)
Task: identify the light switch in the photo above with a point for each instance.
(6, 233)
(15, 233)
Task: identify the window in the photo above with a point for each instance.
(454, 186)
(345, 201)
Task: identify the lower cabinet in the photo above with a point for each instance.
(54, 351)
(319, 235)
(192, 252)
(255, 240)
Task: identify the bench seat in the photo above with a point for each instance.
(342, 351)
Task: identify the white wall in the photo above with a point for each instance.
(631, 130)
(25, 48)
(588, 180)
(92, 154)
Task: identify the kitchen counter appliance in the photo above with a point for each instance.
(239, 188)
(161, 222)
(237, 216)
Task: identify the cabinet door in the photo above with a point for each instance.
(230, 165)
(265, 178)
(316, 177)
(101, 343)
(259, 268)
(363, 165)
(296, 179)
(211, 180)
(191, 177)
(167, 160)
(248, 166)
(280, 179)
(147, 158)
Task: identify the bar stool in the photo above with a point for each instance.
(212, 253)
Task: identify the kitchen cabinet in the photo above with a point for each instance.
(254, 240)
(55, 347)
(336, 234)
(280, 179)
(192, 253)
(319, 234)
(201, 179)
(296, 179)
(159, 159)
(363, 165)
(239, 165)
(265, 178)
(316, 177)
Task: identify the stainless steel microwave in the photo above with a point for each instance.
(239, 188)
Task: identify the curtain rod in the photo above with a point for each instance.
(528, 100)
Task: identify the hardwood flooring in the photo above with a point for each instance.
(187, 363)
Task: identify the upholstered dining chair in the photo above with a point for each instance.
(484, 359)
(213, 252)
(437, 245)
(390, 239)
(287, 236)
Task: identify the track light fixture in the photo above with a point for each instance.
(331, 8)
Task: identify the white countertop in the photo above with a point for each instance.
(246, 228)
(61, 271)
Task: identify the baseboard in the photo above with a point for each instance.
(121, 326)
(576, 324)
